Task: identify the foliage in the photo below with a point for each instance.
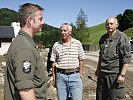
(83, 35)
(74, 30)
(47, 28)
(48, 36)
(80, 31)
(81, 20)
(129, 32)
(125, 20)
(37, 37)
(8, 16)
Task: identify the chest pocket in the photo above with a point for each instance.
(110, 50)
(113, 50)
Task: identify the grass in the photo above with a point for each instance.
(96, 32)
(129, 32)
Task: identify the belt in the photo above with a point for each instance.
(68, 71)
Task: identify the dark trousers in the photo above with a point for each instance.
(108, 89)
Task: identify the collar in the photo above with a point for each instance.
(72, 40)
(27, 36)
(115, 36)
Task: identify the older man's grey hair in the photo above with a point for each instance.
(115, 19)
(68, 26)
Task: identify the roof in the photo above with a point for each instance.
(6, 32)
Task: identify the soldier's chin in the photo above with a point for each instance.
(110, 30)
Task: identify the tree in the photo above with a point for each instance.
(73, 30)
(83, 35)
(81, 32)
(125, 20)
(81, 20)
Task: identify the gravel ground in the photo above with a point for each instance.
(89, 79)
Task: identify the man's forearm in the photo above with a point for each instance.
(124, 69)
(81, 66)
(99, 63)
(27, 94)
(53, 68)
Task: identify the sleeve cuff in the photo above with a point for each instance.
(127, 60)
(26, 84)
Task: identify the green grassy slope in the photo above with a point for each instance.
(96, 32)
(129, 32)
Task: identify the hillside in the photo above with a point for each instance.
(129, 32)
(7, 16)
(96, 32)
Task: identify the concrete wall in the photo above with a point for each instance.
(4, 47)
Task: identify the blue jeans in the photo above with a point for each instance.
(75, 86)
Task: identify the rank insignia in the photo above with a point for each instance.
(27, 67)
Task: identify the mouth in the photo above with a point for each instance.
(109, 28)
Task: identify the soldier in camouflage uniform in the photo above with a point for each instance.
(114, 57)
(24, 73)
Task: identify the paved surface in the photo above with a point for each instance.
(93, 56)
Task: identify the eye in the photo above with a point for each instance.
(63, 30)
(40, 18)
(111, 23)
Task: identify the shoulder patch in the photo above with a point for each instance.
(27, 66)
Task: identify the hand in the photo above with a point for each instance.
(120, 79)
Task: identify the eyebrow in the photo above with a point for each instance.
(63, 30)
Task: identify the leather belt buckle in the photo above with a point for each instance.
(68, 71)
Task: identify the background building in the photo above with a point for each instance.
(7, 33)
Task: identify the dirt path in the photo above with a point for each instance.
(89, 69)
(89, 80)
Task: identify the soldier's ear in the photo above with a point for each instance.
(29, 21)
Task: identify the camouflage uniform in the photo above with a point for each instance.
(24, 69)
(114, 52)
